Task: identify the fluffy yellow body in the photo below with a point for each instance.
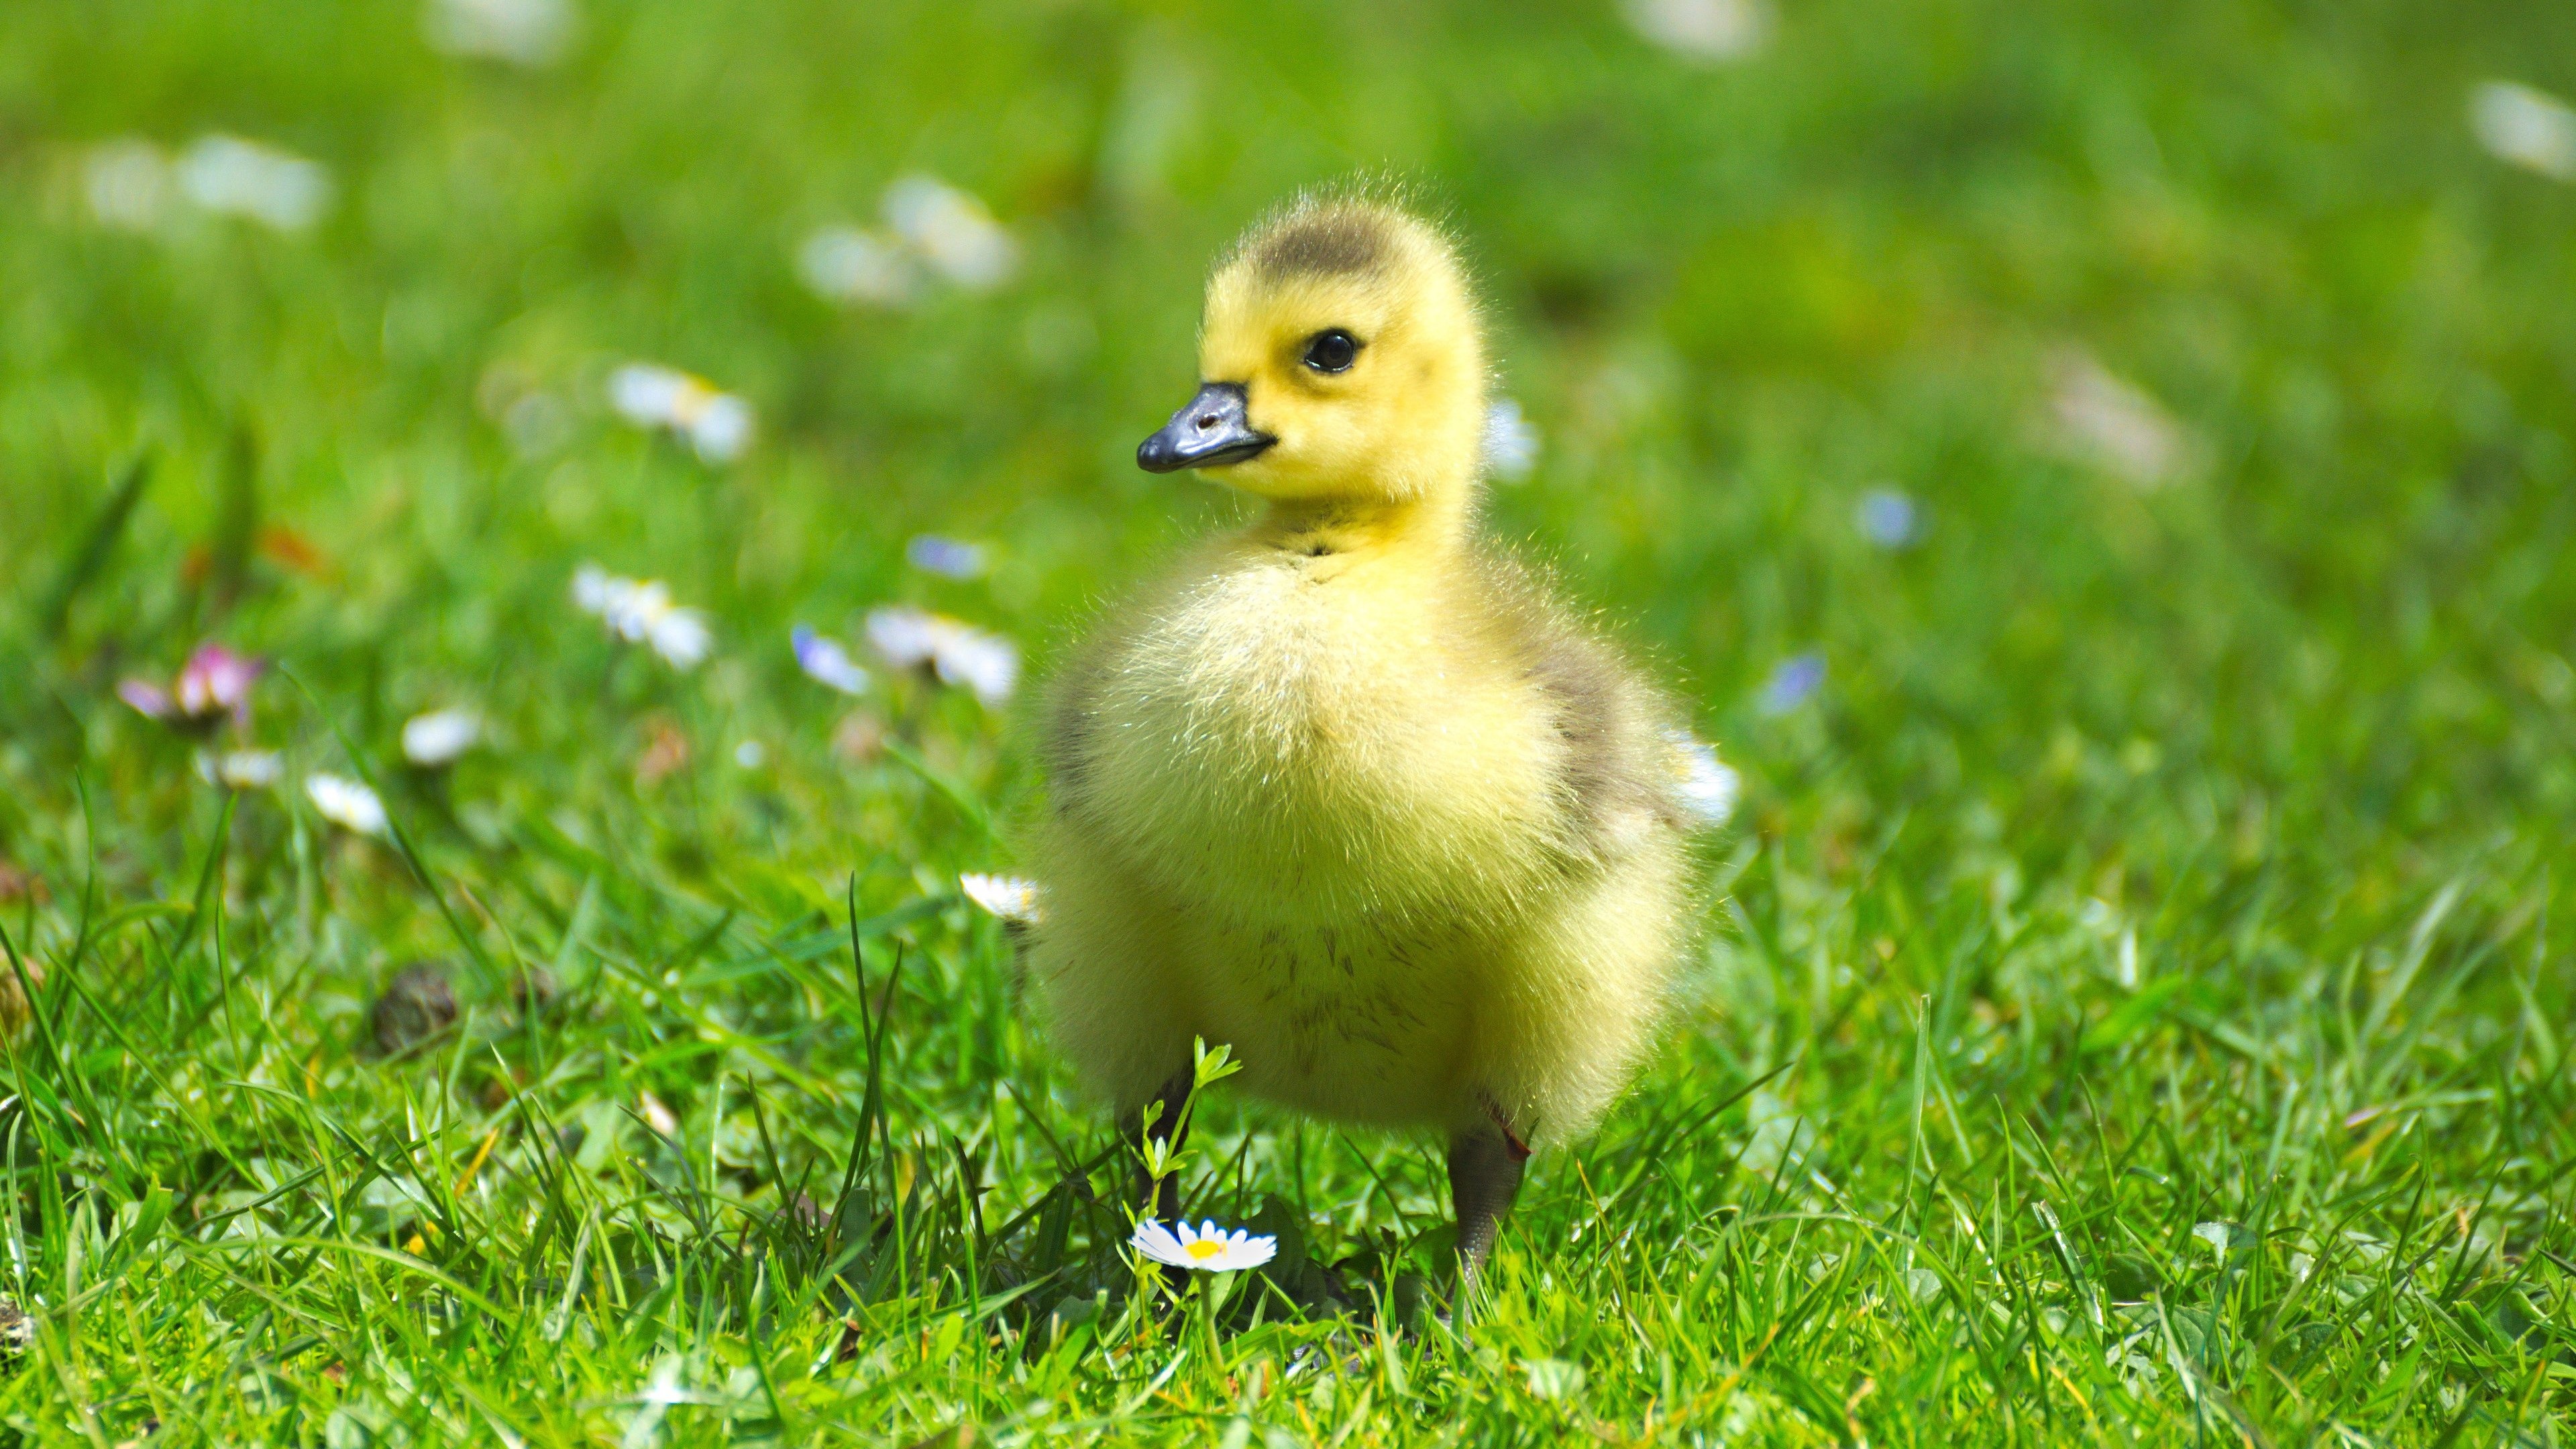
(1316, 808)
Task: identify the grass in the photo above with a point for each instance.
(2137, 1008)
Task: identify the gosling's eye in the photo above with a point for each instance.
(1332, 350)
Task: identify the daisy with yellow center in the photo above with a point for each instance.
(1206, 1248)
(716, 423)
(1012, 899)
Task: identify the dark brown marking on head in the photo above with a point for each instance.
(1329, 241)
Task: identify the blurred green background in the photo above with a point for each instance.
(2154, 419)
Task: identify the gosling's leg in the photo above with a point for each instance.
(1485, 1163)
(1161, 1199)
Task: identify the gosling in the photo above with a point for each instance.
(1347, 790)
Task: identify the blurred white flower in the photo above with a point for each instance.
(958, 653)
(522, 32)
(1206, 1248)
(1552, 1378)
(658, 1116)
(952, 231)
(437, 738)
(904, 636)
(717, 424)
(1006, 896)
(641, 612)
(845, 264)
(242, 769)
(2115, 423)
(751, 754)
(595, 590)
(1708, 787)
(244, 178)
(947, 557)
(1702, 30)
(680, 636)
(985, 663)
(127, 183)
(1510, 442)
(825, 659)
(346, 803)
(1792, 683)
(2530, 128)
(1888, 518)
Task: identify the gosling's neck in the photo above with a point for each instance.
(1432, 526)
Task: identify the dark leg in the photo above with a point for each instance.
(1162, 1200)
(1485, 1164)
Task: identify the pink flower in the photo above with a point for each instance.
(149, 700)
(215, 681)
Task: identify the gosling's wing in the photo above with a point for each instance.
(1618, 770)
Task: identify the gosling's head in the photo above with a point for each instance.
(1340, 359)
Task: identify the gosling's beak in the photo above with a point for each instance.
(1210, 433)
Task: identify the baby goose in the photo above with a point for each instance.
(1347, 790)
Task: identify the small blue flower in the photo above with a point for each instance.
(1792, 684)
(1889, 519)
(947, 557)
(827, 661)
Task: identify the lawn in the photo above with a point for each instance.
(2104, 473)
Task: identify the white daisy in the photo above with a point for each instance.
(959, 653)
(1708, 787)
(716, 423)
(985, 663)
(1510, 443)
(952, 231)
(657, 1115)
(845, 264)
(2532, 129)
(641, 612)
(244, 178)
(1707, 31)
(903, 636)
(824, 659)
(522, 32)
(1006, 896)
(679, 635)
(346, 803)
(2116, 424)
(242, 769)
(127, 183)
(440, 736)
(1206, 1248)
